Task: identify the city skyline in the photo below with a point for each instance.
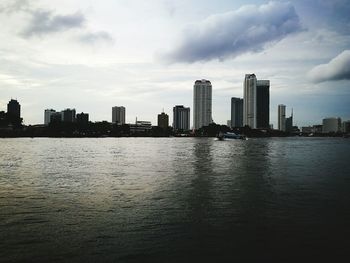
(97, 55)
(181, 115)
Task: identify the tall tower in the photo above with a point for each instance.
(256, 102)
(14, 109)
(14, 113)
(118, 115)
(262, 104)
(282, 117)
(202, 102)
(236, 112)
(181, 117)
(249, 101)
(163, 120)
(289, 123)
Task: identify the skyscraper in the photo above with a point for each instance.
(236, 112)
(282, 117)
(47, 116)
(262, 104)
(181, 117)
(256, 102)
(163, 120)
(202, 102)
(249, 101)
(118, 115)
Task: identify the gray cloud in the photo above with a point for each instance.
(227, 35)
(14, 6)
(45, 22)
(94, 37)
(337, 69)
(332, 14)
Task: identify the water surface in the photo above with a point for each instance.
(174, 199)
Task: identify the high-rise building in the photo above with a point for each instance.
(83, 118)
(47, 116)
(249, 101)
(331, 125)
(289, 123)
(256, 102)
(68, 115)
(118, 115)
(181, 117)
(202, 103)
(282, 117)
(236, 112)
(262, 104)
(163, 120)
(14, 109)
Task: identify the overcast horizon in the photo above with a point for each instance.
(146, 56)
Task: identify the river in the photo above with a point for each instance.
(174, 200)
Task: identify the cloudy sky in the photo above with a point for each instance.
(146, 55)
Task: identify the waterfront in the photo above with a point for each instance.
(174, 199)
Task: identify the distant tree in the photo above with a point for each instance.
(212, 130)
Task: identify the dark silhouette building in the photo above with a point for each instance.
(163, 120)
(55, 117)
(236, 112)
(3, 119)
(181, 118)
(47, 116)
(263, 104)
(68, 115)
(289, 123)
(14, 113)
(14, 109)
(83, 118)
(141, 127)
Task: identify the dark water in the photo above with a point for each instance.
(174, 200)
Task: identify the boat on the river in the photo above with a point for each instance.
(230, 136)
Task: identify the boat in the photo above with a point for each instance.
(230, 136)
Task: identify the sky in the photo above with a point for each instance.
(146, 55)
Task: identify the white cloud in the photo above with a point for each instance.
(249, 29)
(337, 69)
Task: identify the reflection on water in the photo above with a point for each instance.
(174, 199)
